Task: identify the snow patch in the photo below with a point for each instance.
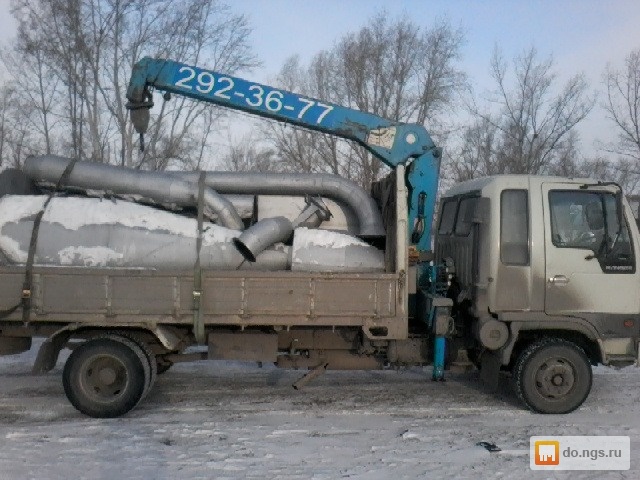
(307, 237)
(11, 249)
(89, 256)
(75, 212)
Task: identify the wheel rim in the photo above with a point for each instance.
(104, 378)
(555, 378)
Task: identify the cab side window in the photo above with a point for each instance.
(447, 217)
(514, 227)
(591, 221)
(464, 222)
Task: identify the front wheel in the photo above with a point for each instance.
(552, 375)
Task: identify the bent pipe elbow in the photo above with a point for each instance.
(161, 187)
(223, 207)
(262, 235)
(369, 217)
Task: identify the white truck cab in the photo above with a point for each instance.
(545, 278)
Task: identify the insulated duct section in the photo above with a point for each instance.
(92, 232)
(157, 186)
(325, 185)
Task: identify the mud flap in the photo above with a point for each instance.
(490, 371)
(49, 352)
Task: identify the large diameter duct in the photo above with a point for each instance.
(326, 251)
(325, 185)
(262, 235)
(91, 232)
(157, 186)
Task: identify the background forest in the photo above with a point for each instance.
(75, 58)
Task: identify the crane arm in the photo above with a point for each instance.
(393, 143)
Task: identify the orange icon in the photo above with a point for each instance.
(547, 452)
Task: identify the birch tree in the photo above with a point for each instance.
(527, 124)
(75, 58)
(395, 69)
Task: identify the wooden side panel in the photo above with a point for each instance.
(73, 293)
(222, 296)
(234, 298)
(373, 297)
(286, 296)
(10, 289)
(146, 295)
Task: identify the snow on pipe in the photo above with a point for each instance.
(326, 251)
(325, 185)
(261, 235)
(91, 232)
(157, 186)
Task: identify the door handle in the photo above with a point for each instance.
(558, 280)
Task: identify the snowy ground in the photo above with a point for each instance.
(236, 421)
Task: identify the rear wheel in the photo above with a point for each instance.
(552, 376)
(106, 376)
(149, 356)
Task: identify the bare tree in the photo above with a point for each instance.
(18, 138)
(477, 151)
(623, 108)
(80, 54)
(623, 172)
(247, 155)
(5, 115)
(528, 124)
(394, 69)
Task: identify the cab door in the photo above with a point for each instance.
(590, 264)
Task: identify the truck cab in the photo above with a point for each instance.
(544, 280)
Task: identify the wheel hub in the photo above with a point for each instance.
(107, 375)
(555, 378)
(104, 378)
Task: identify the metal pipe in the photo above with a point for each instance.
(245, 205)
(157, 186)
(261, 235)
(325, 185)
(313, 214)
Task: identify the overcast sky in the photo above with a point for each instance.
(582, 35)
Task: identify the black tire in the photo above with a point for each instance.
(148, 355)
(106, 377)
(552, 375)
